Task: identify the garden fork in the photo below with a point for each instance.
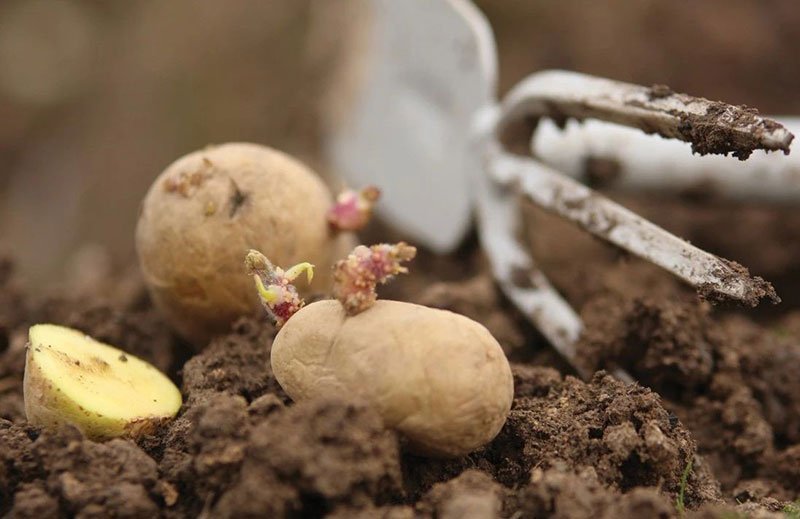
(426, 127)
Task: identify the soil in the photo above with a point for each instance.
(718, 400)
(724, 129)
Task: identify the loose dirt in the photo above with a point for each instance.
(718, 388)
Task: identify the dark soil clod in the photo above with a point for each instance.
(725, 129)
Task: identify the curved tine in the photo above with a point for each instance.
(714, 277)
(647, 162)
(516, 274)
(512, 266)
(711, 127)
(521, 281)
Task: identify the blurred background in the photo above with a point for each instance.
(96, 98)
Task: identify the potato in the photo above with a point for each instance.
(437, 377)
(207, 209)
(72, 379)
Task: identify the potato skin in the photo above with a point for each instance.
(207, 209)
(437, 377)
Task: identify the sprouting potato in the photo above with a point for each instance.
(438, 378)
(207, 209)
(73, 379)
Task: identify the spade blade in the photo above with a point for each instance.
(428, 67)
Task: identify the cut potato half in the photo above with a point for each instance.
(70, 378)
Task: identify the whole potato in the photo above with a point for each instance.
(207, 209)
(437, 377)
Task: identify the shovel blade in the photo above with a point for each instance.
(430, 65)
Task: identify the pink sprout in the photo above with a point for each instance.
(356, 277)
(353, 209)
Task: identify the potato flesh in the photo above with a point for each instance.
(105, 392)
(437, 377)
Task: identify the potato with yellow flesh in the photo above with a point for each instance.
(207, 209)
(71, 378)
(437, 377)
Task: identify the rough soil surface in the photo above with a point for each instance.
(236, 438)
(719, 388)
(732, 377)
(237, 450)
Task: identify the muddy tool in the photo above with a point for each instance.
(427, 128)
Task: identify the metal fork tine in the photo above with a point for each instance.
(711, 127)
(525, 285)
(714, 277)
(644, 163)
(516, 274)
